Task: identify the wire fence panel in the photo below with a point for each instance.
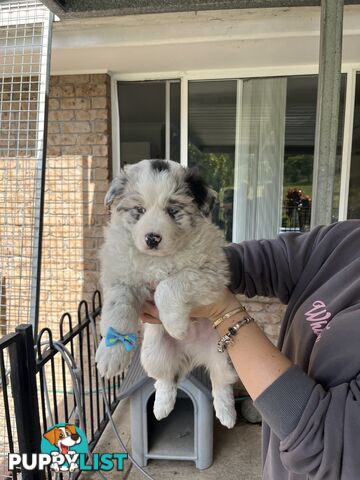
(25, 35)
(24, 76)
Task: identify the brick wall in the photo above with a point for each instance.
(268, 313)
(79, 159)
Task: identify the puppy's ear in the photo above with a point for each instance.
(203, 195)
(51, 435)
(116, 189)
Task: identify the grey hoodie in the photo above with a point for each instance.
(311, 414)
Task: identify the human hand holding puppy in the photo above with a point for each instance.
(256, 360)
(226, 302)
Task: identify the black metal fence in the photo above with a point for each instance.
(296, 218)
(40, 388)
(9, 343)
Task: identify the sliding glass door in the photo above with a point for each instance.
(300, 121)
(211, 140)
(253, 140)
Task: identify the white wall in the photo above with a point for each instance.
(180, 42)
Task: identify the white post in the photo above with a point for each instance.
(237, 174)
(184, 121)
(167, 120)
(347, 144)
(115, 128)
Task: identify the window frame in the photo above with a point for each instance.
(347, 143)
(239, 75)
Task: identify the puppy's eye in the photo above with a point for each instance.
(61, 435)
(172, 211)
(140, 210)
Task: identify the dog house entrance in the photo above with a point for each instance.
(186, 434)
(172, 437)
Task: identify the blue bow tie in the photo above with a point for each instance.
(113, 337)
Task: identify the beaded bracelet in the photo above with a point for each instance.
(227, 339)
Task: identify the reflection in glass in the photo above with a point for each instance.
(142, 120)
(212, 119)
(175, 121)
(142, 108)
(299, 151)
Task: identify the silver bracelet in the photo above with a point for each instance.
(227, 339)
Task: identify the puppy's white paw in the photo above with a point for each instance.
(226, 415)
(112, 360)
(165, 398)
(163, 408)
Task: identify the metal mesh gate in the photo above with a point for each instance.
(24, 56)
(25, 38)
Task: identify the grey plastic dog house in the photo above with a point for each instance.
(186, 434)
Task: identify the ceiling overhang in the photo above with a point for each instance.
(101, 8)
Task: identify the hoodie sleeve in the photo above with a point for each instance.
(315, 414)
(271, 268)
(318, 421)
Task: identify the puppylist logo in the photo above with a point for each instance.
(64, 448)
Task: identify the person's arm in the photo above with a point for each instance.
(317, 415)
(272, 268)
(317, 422)
(256, 360)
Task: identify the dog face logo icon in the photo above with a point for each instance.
(63, 438)
(64, 442)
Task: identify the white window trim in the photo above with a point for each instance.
(238, 74)
(347, 144)
(115, 127)
(167, 120)
(184, 127)
(236, 217)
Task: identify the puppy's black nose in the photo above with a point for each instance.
(152, 239)
(75, 437)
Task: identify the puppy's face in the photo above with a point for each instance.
(159, 202)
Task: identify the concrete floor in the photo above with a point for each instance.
(237, 454)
